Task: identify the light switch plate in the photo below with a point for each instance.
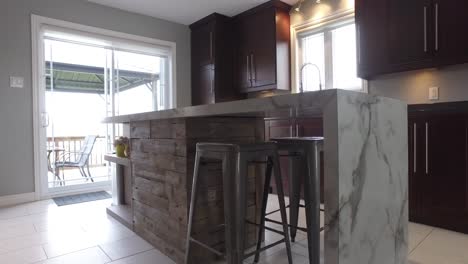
(16, 82)
(434, 93)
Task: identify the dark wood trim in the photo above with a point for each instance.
(273, 3)
(209, 19)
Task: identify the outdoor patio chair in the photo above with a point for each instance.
(81, 159)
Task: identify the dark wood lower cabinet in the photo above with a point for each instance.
(438, 168)
(294, 127)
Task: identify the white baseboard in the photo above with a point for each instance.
(9, 200)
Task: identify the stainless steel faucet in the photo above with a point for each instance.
(301, 86)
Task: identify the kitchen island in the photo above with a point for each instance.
(365, 165)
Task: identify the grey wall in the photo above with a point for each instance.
(16, 137)
(413, 87)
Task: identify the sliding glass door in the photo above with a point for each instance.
(85, 80)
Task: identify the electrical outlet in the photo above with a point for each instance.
(16, 82)
(434, 93)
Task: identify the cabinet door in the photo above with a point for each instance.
(445, 184)
(371, 38)
(309, 127)
(409, 30)
(451, 40)
(263, 47)
(416, 166)
(203, 85)
(203, 39)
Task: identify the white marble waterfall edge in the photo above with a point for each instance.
(366, 180)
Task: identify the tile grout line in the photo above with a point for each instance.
(113, 260)
(105, 253)
(424, 239)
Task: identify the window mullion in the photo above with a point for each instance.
(328, 59)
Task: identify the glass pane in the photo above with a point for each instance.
(344, 58)
(313, 51)
(137, 81)
(74, 92)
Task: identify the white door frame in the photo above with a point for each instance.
(39, 133)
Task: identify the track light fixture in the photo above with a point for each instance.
(299, 5)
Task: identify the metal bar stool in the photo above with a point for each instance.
(306, 150)
(235, 159)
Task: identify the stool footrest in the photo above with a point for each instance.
(267, 228)
(264, 248)
(289, 206)
(297, 227)
(206, 247)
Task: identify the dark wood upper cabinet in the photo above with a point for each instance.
(399, 35)
(371, 38)
(451, 40)
(262, 54)
(212, 61)
(409, 34)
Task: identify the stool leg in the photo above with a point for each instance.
(241, 202)
(296, 169)
(279, 184)
(193, 203)
(312, 204)
(229, 173)
(266, 188)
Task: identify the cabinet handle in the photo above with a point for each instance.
(212, 86)
(252, 66)
(297, 130)
(427, 148)
(437, 27)
(211, 45)
(425, 29)
(249, 78)
(414, 146)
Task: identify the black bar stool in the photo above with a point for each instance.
(306, 150)
(235, 159)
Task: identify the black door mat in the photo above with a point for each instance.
(81, 198)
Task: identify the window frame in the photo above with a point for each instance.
(324, 25)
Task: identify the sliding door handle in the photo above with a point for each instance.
(45, 120)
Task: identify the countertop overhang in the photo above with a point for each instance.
(310, 102)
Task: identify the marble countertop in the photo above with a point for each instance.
(310, 102)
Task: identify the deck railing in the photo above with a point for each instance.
(73, 144)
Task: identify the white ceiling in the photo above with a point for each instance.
(184, 11)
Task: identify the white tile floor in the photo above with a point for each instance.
(41, 232)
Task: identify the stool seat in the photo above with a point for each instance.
(236, 147)
(297, 139)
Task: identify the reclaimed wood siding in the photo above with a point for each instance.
(163, 153)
